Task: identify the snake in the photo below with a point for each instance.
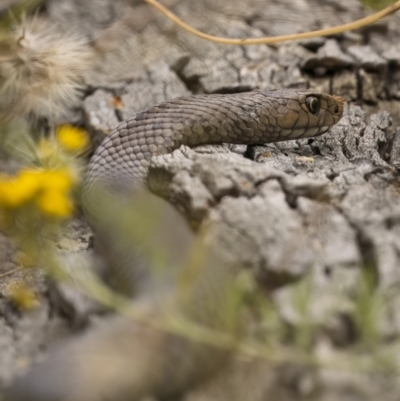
(126, 360)
(254, 117)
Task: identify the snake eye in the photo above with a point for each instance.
(313, 104)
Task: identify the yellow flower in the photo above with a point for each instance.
(49, 189)
(15, 191)
(72, 138)
(55, 203)
(57, 179)
(23, 297)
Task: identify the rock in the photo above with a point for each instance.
(395, 151)
(394, 88)
(392, 55)
(329, 56)
(161, 84)
(101, 114)
(372, 86)
(344, 83)
(313, 44)
(367, 58)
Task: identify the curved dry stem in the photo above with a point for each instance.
(276, 39)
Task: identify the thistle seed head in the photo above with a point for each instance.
(41, 70)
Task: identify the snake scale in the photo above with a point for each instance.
(125, 360)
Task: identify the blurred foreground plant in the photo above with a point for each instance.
(36, 200)
(48, 190)
(41, 70)
(15, 10)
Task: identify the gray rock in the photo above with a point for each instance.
(395, 151)
(329, 56)
(392, 55)
(372, 86)
(344, 83)
(221, 75)
(313, 44)
(394, 87)
(367, 58)
(162, 84)
(101, 114)
(207, 179)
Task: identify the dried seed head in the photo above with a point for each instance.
(41, 70)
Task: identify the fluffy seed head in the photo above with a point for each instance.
(41, 70)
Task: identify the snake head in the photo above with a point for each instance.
(296, 114)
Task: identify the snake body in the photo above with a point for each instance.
(129, 361)
(255, 117)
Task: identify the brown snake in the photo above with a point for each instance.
(255, 117)
(127, 360)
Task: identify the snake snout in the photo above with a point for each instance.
(338, 107)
